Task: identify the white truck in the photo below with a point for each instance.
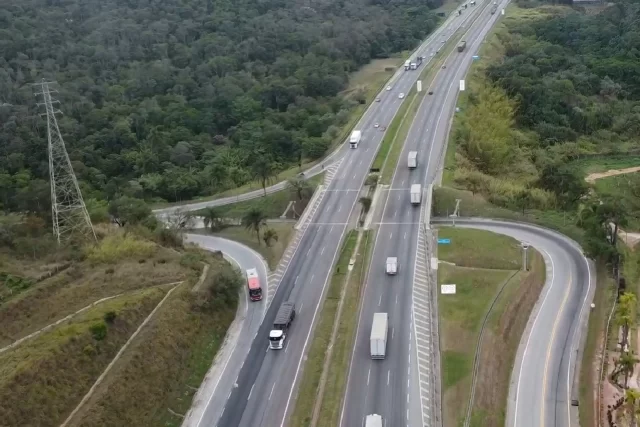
(392, 265)
(284, 318)
(355, 138)
(373, 420)
(412, 161)
(416, 194)
(413, 66)
(407, 64)
(379, 330)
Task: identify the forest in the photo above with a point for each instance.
(166, 100)
(564, 86)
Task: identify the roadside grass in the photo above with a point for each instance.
(444, 201)
(307, 392)
(42, 379)
(273, 205)
(392, 144)
(168, 360)
(336, 381)
(272, 253)
(462, 314)
(591, 359)
(497, 251)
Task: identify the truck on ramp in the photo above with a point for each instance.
(379, 330)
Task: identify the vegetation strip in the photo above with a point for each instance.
(317, 356)
(336, 381)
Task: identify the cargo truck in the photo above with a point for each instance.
(379, 330)
(414, 66)
(416, 194)
(392, 265)
(354, 139)
(284, 318)
(407, 64)
(373, 420)
(412, 161)
(462, 45)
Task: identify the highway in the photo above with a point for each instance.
(400, 388)
(266, 383)
(211, 398)
(542, 383)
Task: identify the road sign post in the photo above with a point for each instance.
(444, 241)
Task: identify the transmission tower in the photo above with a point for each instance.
(70, 216)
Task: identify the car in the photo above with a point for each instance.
(444, 66)
(388, 87)
(401, 96)
(383, 128)
(430, 92)
(377, 125)
(377, 99)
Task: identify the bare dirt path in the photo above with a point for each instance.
(593, 177)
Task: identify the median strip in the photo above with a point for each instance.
(324, 379)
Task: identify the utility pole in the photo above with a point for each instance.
(70, 216)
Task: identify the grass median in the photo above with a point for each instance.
(485, 267)
(347, 287)
(390, 149)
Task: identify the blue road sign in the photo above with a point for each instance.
(444, 241)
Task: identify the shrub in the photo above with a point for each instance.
(110, 316)
(120, 246)
(99, 331)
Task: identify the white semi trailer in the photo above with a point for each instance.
(379, 329)
(416, 194)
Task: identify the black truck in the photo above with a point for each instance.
(284, 318)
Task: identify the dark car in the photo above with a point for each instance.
(430, 92)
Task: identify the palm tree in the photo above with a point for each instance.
(631, 397)
(254, 219)
(269, 236)
(264, 169)
(300, 186)
(212, 219)
(627, 363)
(625, 315)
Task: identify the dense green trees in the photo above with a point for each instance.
(180, 98)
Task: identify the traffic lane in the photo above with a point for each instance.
(569, 279)
(309, 303)
(266, 407)
(237, 400)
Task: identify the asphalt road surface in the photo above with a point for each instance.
(266, 383)
(209, 403)
(542, 383)
(391, 387)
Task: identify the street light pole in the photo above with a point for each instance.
(454, 215)
(525, 264)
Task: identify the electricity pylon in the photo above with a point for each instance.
(70, 216)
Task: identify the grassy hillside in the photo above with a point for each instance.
(91, 306)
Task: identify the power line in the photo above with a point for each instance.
(70, 216)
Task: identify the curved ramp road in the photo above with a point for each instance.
(401, 82)
(210, 399)
(542, 381)
(401, 387)
(266, 384)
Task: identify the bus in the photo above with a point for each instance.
(253, 281)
